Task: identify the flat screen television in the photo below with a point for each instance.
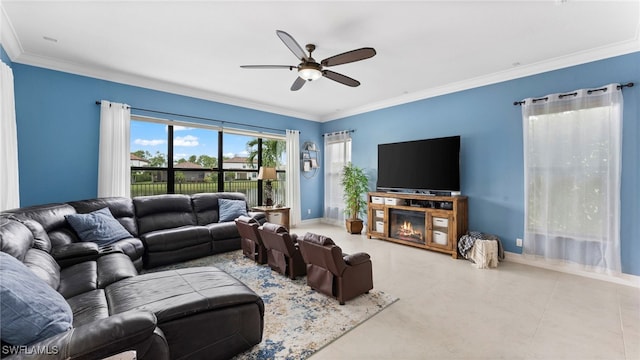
(422, 166)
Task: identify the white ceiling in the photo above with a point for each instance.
(424, 48)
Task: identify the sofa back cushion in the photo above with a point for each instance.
(167, 211)
(30, 309)
(52, 219)
(41, 239)
(15, 238)
(121, 208)
(207, 209)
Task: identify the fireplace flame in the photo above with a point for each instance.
(406, 229)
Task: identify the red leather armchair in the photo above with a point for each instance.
(333, 273)
(250, 239)
(283, 254)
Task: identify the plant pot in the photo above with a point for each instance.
(354, 226)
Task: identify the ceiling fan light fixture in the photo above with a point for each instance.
(310, 72)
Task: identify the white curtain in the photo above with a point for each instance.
(114, 171)
(9, 184)
(293, 177)
(572, 160)
(337, 153)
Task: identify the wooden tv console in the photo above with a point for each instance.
(424, 221)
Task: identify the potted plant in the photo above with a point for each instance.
(354, 184)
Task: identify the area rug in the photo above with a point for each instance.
(298, 321)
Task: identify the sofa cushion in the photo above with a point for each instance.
(51, 217)
(88, 306)
(40, 237)
(231, 209)
(44, 266)
(198, 289)
(78, 279)
(114, 267)
(157, 212)
(30, 309)
(15, 238)
(176, 238)
(98, 226)
(223, 231)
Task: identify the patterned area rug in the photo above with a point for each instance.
(297, 321)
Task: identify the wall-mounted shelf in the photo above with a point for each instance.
(309, 159)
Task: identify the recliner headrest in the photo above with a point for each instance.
(274, 228)
(247, 220)
(318, 239)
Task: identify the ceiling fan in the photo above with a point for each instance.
(309, 69)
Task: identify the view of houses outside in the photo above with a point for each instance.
(195, 161)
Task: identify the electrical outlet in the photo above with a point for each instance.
(519, 242)
(309, 211)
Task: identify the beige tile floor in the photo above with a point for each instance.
(450, 310)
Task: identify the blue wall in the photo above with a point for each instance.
(58, 131)
(492, 173)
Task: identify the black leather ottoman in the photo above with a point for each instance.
(203, 312)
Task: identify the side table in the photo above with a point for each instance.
(275, 215)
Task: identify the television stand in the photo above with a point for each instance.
(426, 221)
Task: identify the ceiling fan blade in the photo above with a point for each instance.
(343, 79)
(290, 67)
(292, 44)
(298, 84)
(349, 56)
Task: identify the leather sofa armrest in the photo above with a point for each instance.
(95, 340)
(74, 253)
(357, 258)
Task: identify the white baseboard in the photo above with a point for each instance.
(622, 279)
(310, 221)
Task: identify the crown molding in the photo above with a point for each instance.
(113, 75)
(8, 38)
(521, 71)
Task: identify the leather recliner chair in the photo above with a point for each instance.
(250, 239)
(283, 254)
(333, 273)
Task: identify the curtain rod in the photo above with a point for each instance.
(337, 132)
(619, 87)
(222, 122)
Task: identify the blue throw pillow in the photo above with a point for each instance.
(229, 210)
(99, 227)
(30, 309)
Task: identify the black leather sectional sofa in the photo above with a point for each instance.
(192, 313)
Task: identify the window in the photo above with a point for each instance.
(572, 147)
(183, 158)
(337, 147)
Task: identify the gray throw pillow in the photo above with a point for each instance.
(99, 227)
(229, 209)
